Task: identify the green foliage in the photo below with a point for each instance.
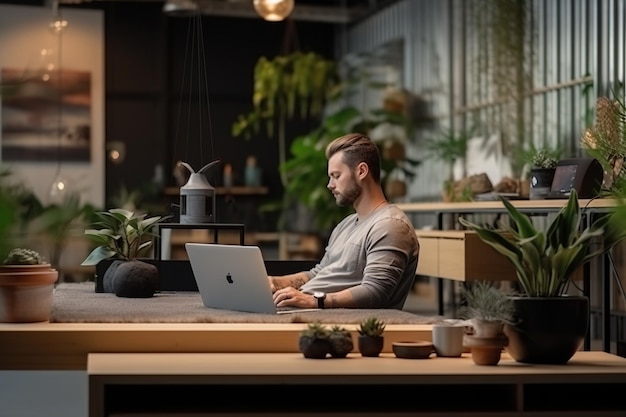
(22, 202)
(449, 146)
(545, 261)
(303, 81)
(121, 234)
(606, 139)
(307, 168)
(371, 326)
(59, 221)
(8, 218)
(24, 256)
(541, 157)
(316, 330)
(484, 301)
(506, 52)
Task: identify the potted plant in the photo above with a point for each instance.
(371, 339)
(285, 86)
(487, 308)
(26, 287)
(542, 162)
(449, 147)
(314, 341)
(124, 237)
(605, 140)
(340, 342)
(549, 324)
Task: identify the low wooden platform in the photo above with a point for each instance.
(65, 346)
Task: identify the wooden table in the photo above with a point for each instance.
(591, 384)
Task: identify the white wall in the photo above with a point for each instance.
(24, 32)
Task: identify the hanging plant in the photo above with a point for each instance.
(298, 83)
(503, 71)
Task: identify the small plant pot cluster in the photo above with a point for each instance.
(26, 287)
(318, 341)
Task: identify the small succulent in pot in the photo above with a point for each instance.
(544, 158)
(371, 327)
(340, 342)
(487, 307)
(26, 287)
(314, 341)
(371, 339)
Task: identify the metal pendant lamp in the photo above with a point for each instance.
(197, 197)
(274, 10)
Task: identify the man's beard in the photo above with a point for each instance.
(348, 197)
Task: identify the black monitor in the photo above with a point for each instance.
(585, 175)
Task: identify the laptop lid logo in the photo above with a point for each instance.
(229, 278)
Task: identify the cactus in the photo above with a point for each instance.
(315, 330)
(22, 256)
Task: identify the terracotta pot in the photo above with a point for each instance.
(26, 297)
(487, 328)
(486, 351)
(25, 268)
(395, 189)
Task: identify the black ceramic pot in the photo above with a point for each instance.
(135, 279)
(314, 348)
(371, 345)
(549, 330)
(541, 182)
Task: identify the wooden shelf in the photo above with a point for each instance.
(175, 191)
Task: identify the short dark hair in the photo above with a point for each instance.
(357, 148)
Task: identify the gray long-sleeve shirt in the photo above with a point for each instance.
(375, 257)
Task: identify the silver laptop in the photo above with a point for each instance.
(233, 277)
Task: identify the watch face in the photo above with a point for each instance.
(318, 294)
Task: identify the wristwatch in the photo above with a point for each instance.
(320, 297)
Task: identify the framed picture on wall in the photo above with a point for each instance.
(46, 116)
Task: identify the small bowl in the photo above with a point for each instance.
(412, 350)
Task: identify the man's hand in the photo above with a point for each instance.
(290, 297)
(272, 283)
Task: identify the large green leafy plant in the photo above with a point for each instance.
(545, 260)
(120, 234)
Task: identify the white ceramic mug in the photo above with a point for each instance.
(448, 339)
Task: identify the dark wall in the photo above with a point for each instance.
(153, 76)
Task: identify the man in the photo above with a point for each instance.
(372, 254)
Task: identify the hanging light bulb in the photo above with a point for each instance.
(59, 189)
(274, 10)
(58, 24)
(181, 8)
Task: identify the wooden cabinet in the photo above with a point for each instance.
(460, 255)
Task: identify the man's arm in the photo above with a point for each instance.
(292, 280)
(291, 297)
